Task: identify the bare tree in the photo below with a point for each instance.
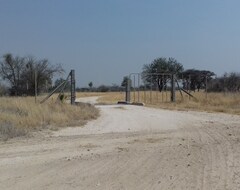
(23, 73)
(11, 69)
(41, 71)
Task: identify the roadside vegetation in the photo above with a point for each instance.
(21, 115)
(211, 102)
(208, 92)
(24, 76)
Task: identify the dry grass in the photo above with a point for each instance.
(213, 102)
(18, 116)
(104, 97)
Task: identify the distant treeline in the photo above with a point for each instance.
(102, 88)
(229, 82)
(156, 73)
(196, 79)
(25, 75)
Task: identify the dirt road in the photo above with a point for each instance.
(129, 147)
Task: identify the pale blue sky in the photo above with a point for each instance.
(104, 40)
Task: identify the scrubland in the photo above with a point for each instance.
(21, 115)
(210, 102)
(129, 147)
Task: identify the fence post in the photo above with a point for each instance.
(73, 91)
(173, 89)
(206, 88)
(128, 86)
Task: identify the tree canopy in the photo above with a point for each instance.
(229, 82)
(157, 72)
(20, 73)
(196, 79)
(163, 65)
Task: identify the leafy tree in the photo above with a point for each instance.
(195, 79)
(151, 72)
(229, 82)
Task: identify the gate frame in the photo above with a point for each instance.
(128, 86)
(73, 87)
(62, 85)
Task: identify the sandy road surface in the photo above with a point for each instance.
(129, 147)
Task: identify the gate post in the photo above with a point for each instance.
(173, 89)
(73, 91)
(128, 86)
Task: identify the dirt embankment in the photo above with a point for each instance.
(129, 147)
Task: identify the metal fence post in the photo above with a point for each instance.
(173, 89)
(73, 91)
(128, 86)
(35, 84)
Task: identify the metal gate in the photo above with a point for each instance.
(150, 88)
(62, 86)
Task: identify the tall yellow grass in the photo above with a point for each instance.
(21, 115)
(211, 102)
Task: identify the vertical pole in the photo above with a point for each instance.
(165, 88)
(224, 81)
(134, 89)
(151, 90)
(35, 77)
(162, 96)
(166, 93)
(138, 87)
(162, 91)
(46, 86)
(145, 101)
(189, 87)
(73, 91)
(173, 89)
(128, 92)
(206, 87)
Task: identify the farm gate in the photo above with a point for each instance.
(151, 88)
(68, 84)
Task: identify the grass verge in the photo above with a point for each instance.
(21, 115)
(210, 102)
